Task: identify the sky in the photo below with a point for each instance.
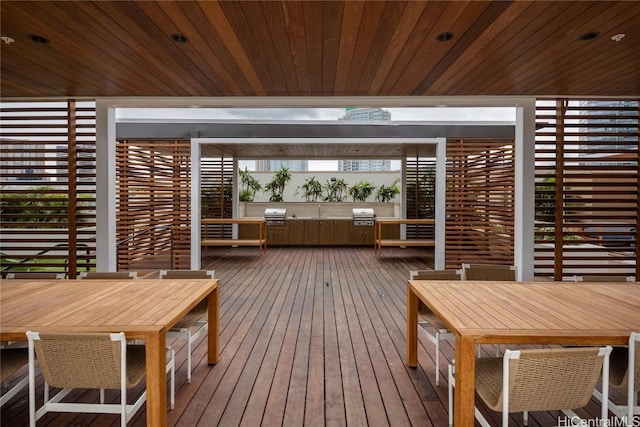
(331, 114)
(432, 114)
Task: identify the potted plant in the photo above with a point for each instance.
(249, 186)
(277, 184)
(312, 189)
(361, 191)
(335, 190)
(387, 193)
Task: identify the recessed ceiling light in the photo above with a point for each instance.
(179, 38)
(589, 36)
(444, 37)
(38, 39)
(7, 40)
(617, 37)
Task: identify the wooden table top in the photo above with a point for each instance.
(130, 306)
(535, 312)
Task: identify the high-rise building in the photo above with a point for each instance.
(364, 165)
(23, 161)
(367, 114)
(607, 129)
(274, 165)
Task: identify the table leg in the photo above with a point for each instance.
(464, 402)
(412, 328)
(213, 335)
(156, 363)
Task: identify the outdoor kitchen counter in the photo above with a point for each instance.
(318, 231)
(381, 239)
(213, 232)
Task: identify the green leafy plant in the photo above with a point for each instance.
(361, 191)
(335, 190)
(311, 189)
(41, 208)
(248, 186)
(388, 193)
(277, 185)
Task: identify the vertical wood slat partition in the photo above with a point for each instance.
(420, 195)
(216, 189)
(587, 200)
(480, 201)
(47, 174)
(153, 202)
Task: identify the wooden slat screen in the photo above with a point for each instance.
(47, 174)
(216, 189)
(586, 187)
(480, 202)
(420, 195)
(153, 205)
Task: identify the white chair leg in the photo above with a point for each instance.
(525, 416)
(437, 358)
(102, 395)
(450, 378)
(188, 356)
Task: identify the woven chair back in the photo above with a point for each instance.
(436, 275)
(489, 272)
(187, 274)
(109, 275)
(600, 278)
(80, 360)
(551, 379)
(35, 275)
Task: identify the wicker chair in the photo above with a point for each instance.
(108, 275)
(11, 360)
(538, 380)
(88, 360)
(489, 272)
(427, 316)
(602, 278)
(625, 364)
(195, 318)
(36, 275)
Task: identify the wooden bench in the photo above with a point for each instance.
(379, 242)
(260, 242)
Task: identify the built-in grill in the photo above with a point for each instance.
(275, 216)
(363, 217)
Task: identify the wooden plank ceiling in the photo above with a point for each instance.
(315, 48)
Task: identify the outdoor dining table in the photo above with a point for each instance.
(142, 309)
(520, 313)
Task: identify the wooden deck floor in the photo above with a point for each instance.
(309, 336)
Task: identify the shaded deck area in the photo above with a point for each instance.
(309, 336)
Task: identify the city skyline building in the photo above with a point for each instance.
(274, 165)
(366, 114)
(364, 165)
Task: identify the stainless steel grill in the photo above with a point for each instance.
(275, 216)
(363, 217)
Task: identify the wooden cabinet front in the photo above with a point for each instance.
(297, 232)
(277, 235)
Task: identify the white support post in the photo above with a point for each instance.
(195, 204)
(106, 259)
(525, 189)
(441, 203)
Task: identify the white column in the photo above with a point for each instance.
(105, 187)
(441, 203)
(195, 204)
(525, 188)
